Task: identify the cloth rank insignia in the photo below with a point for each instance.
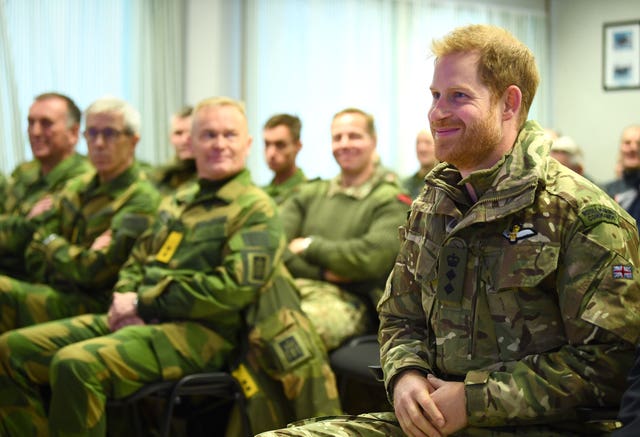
(451, 272)
(169, 247)
(517, 233)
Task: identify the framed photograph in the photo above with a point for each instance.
(621, 55)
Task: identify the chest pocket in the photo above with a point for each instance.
(521, 297)
(203, 245)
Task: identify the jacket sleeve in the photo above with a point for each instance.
(53, 256)
(366, 256)
(252, 247)
(599, 298)
(404, 336)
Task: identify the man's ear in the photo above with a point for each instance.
(512, 99)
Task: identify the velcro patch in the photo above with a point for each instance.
(244, 378)
(595, 214)
(289, 350)
(622, 272)
(258, 267)
(169, 247)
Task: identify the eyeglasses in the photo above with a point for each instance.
(109, 135)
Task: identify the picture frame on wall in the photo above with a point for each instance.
(621, 55)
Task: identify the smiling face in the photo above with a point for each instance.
(465, 120)
(51, 136)
(220, 141)
(352, 144)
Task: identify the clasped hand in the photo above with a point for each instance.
(122, 311)
(429, 406)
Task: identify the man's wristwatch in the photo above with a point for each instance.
(306, 242)
(49, 238)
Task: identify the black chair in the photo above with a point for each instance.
(357, 363)
(221, 386)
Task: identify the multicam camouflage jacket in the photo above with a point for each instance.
(57, 244)
(529, 295)
(27, 185)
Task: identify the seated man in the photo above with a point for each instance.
(342, 233)
(77, 241)
(515, 297)
(54, 126)
(282, 144)
(179, 305)
(182, 169)
(426, 154)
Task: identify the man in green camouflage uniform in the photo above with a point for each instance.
(515, 299)
(54, 126)
(182, 169)
(342, 243)
(180, 303)
(74, 247)
(281, 133)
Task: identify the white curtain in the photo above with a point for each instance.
(316, 57)
(87, 49)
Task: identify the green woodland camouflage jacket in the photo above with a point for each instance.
(170, 177)
(214, 256)
(57, 244)
(529, 295)
(27, 185)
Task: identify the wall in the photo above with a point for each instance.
(212, 57)
(580, 107)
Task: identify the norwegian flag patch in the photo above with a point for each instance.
(622, 272)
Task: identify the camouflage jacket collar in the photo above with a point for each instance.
(510, 184)
(115, 186)
(59, 173)
(226, 191)
(379, 176)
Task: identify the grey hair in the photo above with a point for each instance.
(109, 104)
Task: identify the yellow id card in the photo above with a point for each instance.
(169, 247)
(242, 375)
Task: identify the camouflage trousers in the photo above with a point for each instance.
(85, 364)
(386, 425)
(25, 304)
(336, 314)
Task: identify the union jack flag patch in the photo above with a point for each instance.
(622, 272)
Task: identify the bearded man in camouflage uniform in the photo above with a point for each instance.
(74, 246)
(514, 300)
(179, 305)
